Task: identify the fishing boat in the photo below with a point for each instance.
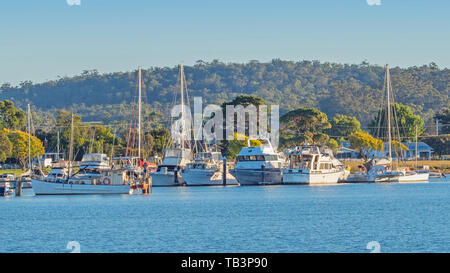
(260, 165)
(94, 177)
(311, 164)
(206, 170)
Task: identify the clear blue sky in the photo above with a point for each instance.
(43, 39)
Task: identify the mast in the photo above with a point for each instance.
(139, 114)
(57, 145)
(416, 147)
(71, 145)
(182, 104)
(388, 87)
(29, 136)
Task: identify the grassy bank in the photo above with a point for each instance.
(435, 165)
(17, 172)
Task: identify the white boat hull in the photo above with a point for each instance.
(197, 177)
(54, 188)
(415, 177)
(298, 177)
(166, 180)
(257, 176)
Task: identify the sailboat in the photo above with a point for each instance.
(130, 162)
(95, 176)
(380, 170)
(175, 158)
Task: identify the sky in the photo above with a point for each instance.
(41, 40)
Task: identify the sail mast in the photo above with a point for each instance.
(71, 145)
(29, 136)
(139, 114)
(182, 104)
(57, 145)
(388, 87)
(416, 147)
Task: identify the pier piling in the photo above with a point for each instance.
(18, 187)
(224, 174)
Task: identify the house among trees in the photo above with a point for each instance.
(424, 152)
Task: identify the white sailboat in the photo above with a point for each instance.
(175, 159)
(400, 174)
(311, 164)
(95, 176)
(380, 170)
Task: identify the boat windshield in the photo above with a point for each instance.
(257, 158)
(177, 153)
(94, 157)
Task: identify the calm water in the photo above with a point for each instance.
(340, 218)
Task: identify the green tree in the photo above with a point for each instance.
(343, 126)
(10, 116)
(5, 146)
(333, 145)
(364, 143)
(80, 136)
(444, 118)
(303, 125)
(403, 123)
(440, 144)
(230, 148)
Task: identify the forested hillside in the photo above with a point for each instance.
(354, 90)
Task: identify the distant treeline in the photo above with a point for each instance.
(354, 90)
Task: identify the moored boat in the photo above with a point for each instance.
(206, 170)
(260, 165)
(94, 177)
(168, 173)
(313, 165)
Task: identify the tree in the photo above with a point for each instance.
(440, 144)
(303, 125)
(161, 138)
(343, 126)
(80, 136)
(364, 143)
(19, 141)
(333, 145)
(5, 146)
(10, 116)
(245, 100)
(402, 118)
(444, 118)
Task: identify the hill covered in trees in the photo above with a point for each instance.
(354, 90)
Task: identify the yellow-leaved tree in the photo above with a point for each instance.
(364, 143)
(19, 141)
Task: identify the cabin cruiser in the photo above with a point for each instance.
(313, 165)
(206, 170)
(95, 176)
(168, 173)
(258, 165)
